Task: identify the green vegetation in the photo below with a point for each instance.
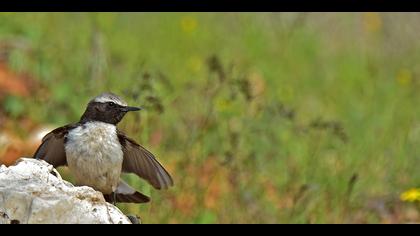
(260, 118)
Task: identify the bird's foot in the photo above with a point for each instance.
(134, 219)
(114, 198)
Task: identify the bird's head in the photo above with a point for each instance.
(108, 108)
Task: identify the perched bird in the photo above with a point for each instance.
(96, 152)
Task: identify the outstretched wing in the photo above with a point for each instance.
(51, 149)
(141, 162)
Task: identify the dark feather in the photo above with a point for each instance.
(52, 149)
(127, 194)
(127, 198)
(139, 161)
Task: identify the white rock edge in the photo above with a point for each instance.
(33, 192)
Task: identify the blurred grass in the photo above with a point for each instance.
(260, 118)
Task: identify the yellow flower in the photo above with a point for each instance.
(411, 195)
(195, 64)
(188, 24)
(404, 77)
(223, 105)
(372, 21)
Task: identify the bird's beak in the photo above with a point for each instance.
(126, 109)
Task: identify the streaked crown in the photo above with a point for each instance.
(109, 97)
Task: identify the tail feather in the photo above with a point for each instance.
(125, 193)
(136, 197)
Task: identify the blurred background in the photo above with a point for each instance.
(259, 117)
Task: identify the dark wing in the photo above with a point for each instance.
(141, 162)
(51, 149)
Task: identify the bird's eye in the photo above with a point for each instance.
(111, 104)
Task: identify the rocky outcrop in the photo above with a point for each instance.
(32, 191)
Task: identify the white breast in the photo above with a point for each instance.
(94, 155)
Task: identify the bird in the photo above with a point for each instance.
(97, 152)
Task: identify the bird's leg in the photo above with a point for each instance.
(134, 219)
(114, 198)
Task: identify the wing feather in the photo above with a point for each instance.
(52, 149)
(140, 161)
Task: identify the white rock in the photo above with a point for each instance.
(32, 191)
